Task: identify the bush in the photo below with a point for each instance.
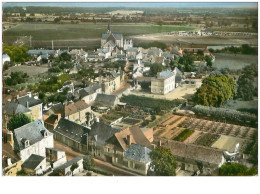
(184, 135)
(151, 103)
(234, 169)
(227, 114)
(17, 121)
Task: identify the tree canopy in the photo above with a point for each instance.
(163, 163)
(17, 121)
(17, 53)
(247, 83)
(234, 169)
(215, 91)
(15, 78)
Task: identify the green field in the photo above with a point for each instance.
(83, 31)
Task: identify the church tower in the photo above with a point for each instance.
(108, 29)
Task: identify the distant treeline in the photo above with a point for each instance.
(152, 11)
(244, 49)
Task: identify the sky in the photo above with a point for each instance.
(133, 4)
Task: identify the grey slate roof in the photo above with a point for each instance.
(101, 132)
(32, 131)
(194, 152)
(132, 49)
(88, 90)
(58, 108)
(165, 74)
(31, 101)
(116, 36)
(72, 130)
(33, 161)
(138, 153)
(69, 163)
(12, 108)
(41, 51)
(105, 100)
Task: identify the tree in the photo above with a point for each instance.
(247, 83)
(88, 162)
(21, 173)
(73, 167)
(215, 91)
(163, 163)
(64, 56)
(208, 61)
(145, 85)
(155, 68)
(17, 121)
(234, 169)
(186, 63)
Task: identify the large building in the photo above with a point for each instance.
(111, 40)
(163, 83)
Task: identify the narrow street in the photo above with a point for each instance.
(101, 165)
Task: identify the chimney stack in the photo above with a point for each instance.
(160, 143)
(129, 139)
(10, 139)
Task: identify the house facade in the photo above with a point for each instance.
(163, 83)
(31, 138)
(72, 134)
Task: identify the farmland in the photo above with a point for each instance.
(84, 31)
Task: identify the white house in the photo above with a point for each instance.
(32, 138)
(6, 58)
(163, 83)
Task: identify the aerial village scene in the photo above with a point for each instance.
(142, 89)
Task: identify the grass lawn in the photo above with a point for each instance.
(113, 115)
(184, 135)
(207, 139)
(40, 31)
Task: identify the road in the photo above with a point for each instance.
(112, 169)
(101, 165)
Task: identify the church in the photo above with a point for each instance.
(111, 41)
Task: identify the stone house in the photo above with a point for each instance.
(35, 165)
(136, 158)
(72, 134)
(65, 169)
(55, 157)
(11, 163)
(163, 83)
(105, 100)
(120, 142)
(99, 134)
(32, 103)
(31, 138)
(76, 111)
(12, 108)
(51, 122)
(88, 94)
(111, 82)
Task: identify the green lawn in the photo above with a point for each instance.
(40, 31)
(184, 135)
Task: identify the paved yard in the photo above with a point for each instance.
(184, 91)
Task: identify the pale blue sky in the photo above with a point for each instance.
(133, 4)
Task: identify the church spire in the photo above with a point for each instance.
(108, 28)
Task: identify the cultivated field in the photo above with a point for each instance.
(233, 61)
(188, 40)
(83, 31)
(30, 70)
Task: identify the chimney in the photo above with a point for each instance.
(129, 139)
(9, 161)
(160, 143)
(10, 138)
(27, 104)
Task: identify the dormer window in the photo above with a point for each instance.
(26, 143)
